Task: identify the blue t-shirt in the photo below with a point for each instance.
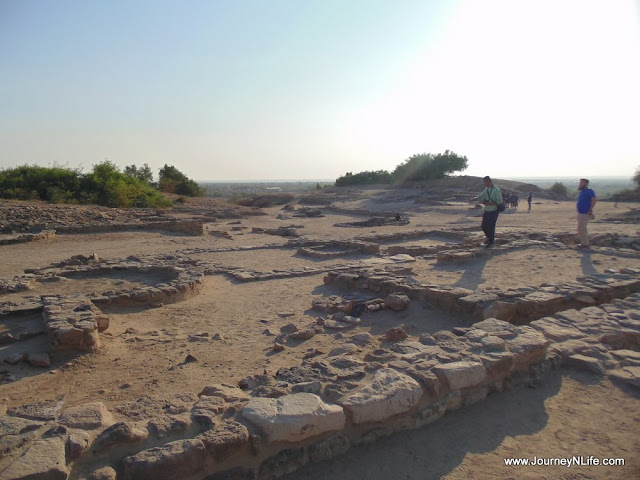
(584, 200)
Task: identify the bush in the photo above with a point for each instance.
(171, 180)
(143, 173)
(105, 185)
(559, 188)
(364, 178)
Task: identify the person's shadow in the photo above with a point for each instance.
(587, 264)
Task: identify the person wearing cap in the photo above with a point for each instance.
(490, 197)
(586, 202)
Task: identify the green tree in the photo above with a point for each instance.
(426, 166)
(171, 180)
(143, 173)
(105, 185)
(558, 188)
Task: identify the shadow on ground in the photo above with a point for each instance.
(435, 450)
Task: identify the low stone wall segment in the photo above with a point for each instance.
(319, 409)
(43, 236)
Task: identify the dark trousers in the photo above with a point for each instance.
(489, 220)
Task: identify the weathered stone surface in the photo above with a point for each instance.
(145, 408)
(104, 473)
(343, 324)
(554, 330)
(361, 339)
(253, 381)
(397, 301)
(173, 460)
(586, 363)
(213, 404)
(479, 300)
(225, 440)
(118, 434)
(329, 447)
(16, 358)
(395, 334)
(496, 327)
(87, 416)
(498, 364)
(307, 387)
(305, 373)
(627, 357)
(44, 460)
(528, 347)
(168, 425)
(389, 393)
(305, 334)
(348, 349)
(491, 343)
(502, 310)
(568, 348)
(459, 375)
(16, 432)
(44, 411)
(286, 461)
(77, 442)
(294, 417)
(629, 375)
(227, 392)
(39, 359)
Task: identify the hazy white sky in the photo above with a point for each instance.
(311, 89)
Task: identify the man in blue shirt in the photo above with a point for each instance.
(586, 201)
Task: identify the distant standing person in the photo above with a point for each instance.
(586, 202)
(529, 200)
(490, 197)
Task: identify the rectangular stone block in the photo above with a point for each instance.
(459, 375)
(179, 459)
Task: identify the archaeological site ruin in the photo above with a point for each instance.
(212, 341)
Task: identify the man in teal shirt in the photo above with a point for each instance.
(490, 197)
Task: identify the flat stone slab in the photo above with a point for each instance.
(120, 433)
(461, 375)
(87, 416)
(174, 460)
(44, 411)
(44, 460)
(628, 375)
(389, 393)
(294, 417)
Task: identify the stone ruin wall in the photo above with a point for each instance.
(188, 227)
(270, 425)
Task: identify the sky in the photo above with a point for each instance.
(312, 89)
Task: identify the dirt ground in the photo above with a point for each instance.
(230, 327)
(575, 414)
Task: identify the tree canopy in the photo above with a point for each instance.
(559, 188)
(417, 168)
(104, 185)
(171, 180)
